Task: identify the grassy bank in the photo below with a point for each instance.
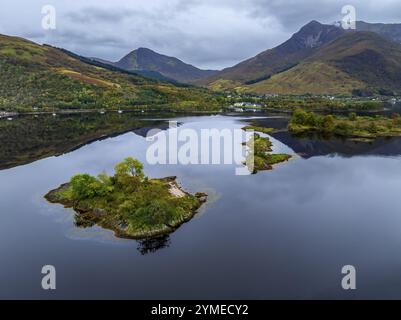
(353, 126)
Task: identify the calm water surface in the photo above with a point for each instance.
(285, 233)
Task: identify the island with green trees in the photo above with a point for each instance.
(261, 150)
(128, 203)
(353, 126)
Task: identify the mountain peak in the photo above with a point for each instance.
(313, 23)
(144, 50)
(315, 34)
(145, 59)
(322, 59)
(301, 45)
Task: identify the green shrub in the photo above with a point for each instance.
(84, 186)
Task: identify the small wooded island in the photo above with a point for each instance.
(129, 203)
(263, 158)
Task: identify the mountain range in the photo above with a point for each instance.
(42, 77)
(318, 59)
(300, 65)
(357, 62)
(321, 59)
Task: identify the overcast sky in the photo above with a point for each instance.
(206, 33)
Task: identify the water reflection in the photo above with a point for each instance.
(309, 146)
(152, 245)
(30, 138)
(312, 145)
(279, 234)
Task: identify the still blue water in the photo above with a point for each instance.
(284, 233)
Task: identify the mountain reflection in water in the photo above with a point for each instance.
(30, 138)
(308, 146)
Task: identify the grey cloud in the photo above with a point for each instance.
(163, 30)
(293, 13)
(93, 14)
